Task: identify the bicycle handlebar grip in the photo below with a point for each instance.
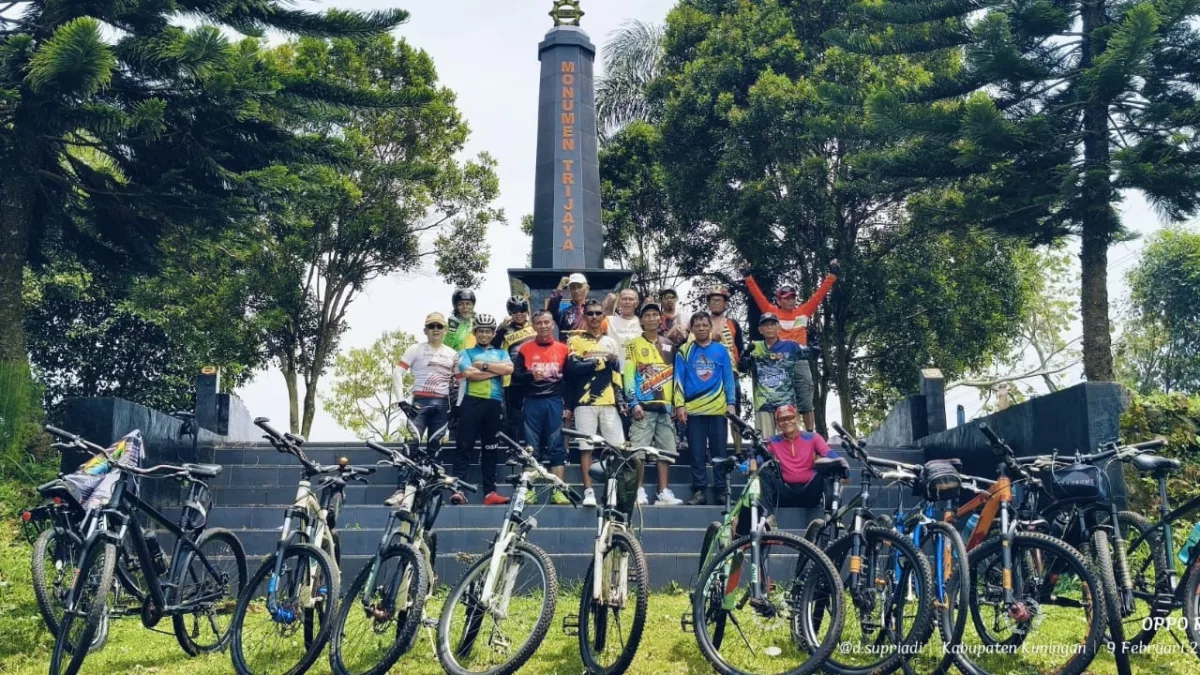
(1151, 445)
(574, 497)
(468, 486)
(61, 433)
(264, 423)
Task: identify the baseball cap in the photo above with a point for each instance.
(767, 316)
(577, 278)
(788, 410)
(649, 304)
(435, 317)
(668, 291)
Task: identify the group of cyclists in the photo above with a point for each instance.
(624, 367)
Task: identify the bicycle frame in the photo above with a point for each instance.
(514, 529)
(1163, 525)
(313, 513)
(608, 521)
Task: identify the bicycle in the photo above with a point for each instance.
(780, 606)
(57, 530)
(207, 568)
(513, 581)
(385, 603)
(1022, 578)
(879, 568)
(296, 588)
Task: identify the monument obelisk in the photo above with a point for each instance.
(567, 232)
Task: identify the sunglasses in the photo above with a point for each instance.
(595, 313)
(789, 418)
(434, 326)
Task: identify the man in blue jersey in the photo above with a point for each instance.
(482, 370)
(705, 391)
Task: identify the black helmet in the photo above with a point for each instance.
(517, 304)
(484, 321)
(462, 294)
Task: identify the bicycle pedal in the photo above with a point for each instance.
(686, 623)
(429, 621)
(1164, 602)
(570, 624)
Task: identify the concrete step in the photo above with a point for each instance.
(328, 453)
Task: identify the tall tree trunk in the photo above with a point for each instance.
(16, 211)
(310, 404)
(1098, 219)
(289, 378)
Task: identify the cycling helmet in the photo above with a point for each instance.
(462, 294)
(484, 321)
(517, 304)
(717, 290)
(785, 291)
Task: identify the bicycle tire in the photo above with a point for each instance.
(921, 627)
(407, 622)
(815, 559)
(638, 566)
(710, 535)
(1102, 555)
(448, 656)
(232, 591)
(313, 621)
(1091, 641)
(813, 531)
(312, 651)
(951, 624)
(1136, 526)
(67, 659)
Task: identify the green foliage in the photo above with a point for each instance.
(1049, 111)
(361, 398)
(1177, 419)
(20, 420)
(1160, 346)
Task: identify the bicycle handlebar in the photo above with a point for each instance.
(75, 439)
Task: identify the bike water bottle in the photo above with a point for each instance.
(1192, 540)
(971, 523)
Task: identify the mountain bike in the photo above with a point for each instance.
(618, 574)
(384, 606)
(511, 589)
(57, 530)
(283, 618)
(1026, 585)
(207, 568)
(764, 584)
(886, 578)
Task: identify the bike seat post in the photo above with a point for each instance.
(1164, 506)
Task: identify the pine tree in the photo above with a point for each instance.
(117, 126)
(1052, 107)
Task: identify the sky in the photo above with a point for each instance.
(486, 52)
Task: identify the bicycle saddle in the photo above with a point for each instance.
(204, 470)
(1155, 463)
(719, 462)
(57, 488)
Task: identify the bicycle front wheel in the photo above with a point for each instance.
(212, 585)
(268, 625)
(612, 616)
(497, 634)
(789, 625)
(1047, 608)
(381, 613)
(86, 609)
(947, 554)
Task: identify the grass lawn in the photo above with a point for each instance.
(25, 644)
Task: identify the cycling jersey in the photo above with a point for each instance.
(648, 373)
(459, 335)
(510, 338)
(623, 330)
(548, 360)
(593, 375)
(796, 456)
(432, 369)
(774, 373)
(793, 323)
(704, 382)
(491, 388)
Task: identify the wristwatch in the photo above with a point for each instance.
(484, 367)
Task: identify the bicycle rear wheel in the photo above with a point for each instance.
(1146, 558)
(86, 609)
(609, 633)
(1055, 621)
(948, 557)
(214, 596)
(380, 614)
(499, 636)
(268, 625)
(795, 624)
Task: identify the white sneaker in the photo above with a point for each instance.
(667, 498)
(589, 497)
(643, 500)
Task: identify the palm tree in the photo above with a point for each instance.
(632, 59)
(116, 125)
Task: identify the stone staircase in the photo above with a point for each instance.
(258, 481)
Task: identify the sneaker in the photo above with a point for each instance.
(559, 499)
(458, 498)
(698, 499)
(395, 499)
(494, 498)
(642, 499)
(667, 498)
(589, 497)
